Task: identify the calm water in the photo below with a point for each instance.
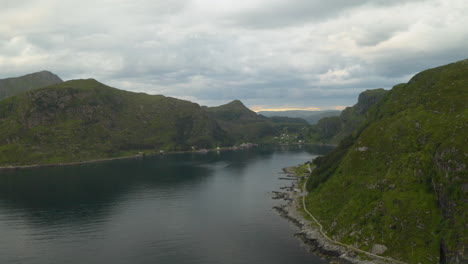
(180, 208)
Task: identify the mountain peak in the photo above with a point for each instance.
(16, 85)
(236, 103)
(234, 110)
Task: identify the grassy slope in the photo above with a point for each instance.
(13, 86)
(84, 119)
(239, 121)
(245, 125)
(401, 182)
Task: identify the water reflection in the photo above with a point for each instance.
(180, 208)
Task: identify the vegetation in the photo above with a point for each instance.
(311, 117)
(13, 86)
(400, 179)
(242, 124)
(84, 119)
(334, 129)
(287, 120)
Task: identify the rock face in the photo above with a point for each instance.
(334, 129)
(378, 249)
(400, 179)
(13, 86)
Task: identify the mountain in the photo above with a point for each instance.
(234, 111)
(83, 119)
(240, 122)
(334, 129)
(312, 117)
(400, 181)
(13, 86)
(288, 120)
(243, 124)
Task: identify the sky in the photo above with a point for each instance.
(271, 54)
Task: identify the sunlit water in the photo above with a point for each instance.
(179, 208)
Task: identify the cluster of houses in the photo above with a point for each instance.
(289, 139)
(241, 146)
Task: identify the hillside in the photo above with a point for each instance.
(240, 122)
(400, 181)
(335, 128)
(243, 124)
(287, 120)
(312, 117)
(84, 119)
(16, 85)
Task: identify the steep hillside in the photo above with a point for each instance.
(13, 86)
(336, 128)
(400, 181)
(84, 119)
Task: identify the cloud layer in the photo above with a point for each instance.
(268, 53)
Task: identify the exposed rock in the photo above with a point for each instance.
(363, 148)
(378, 249)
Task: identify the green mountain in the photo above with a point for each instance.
(243, 124)
(13, 86)
(335, 128)
(288, 120)
(240, 122)
(312, 117)
(400, 180)
(83, 119)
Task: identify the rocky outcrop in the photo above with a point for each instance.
(334, 129)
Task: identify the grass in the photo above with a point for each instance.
(398, 181)
(84, 120)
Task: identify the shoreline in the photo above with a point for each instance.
(309, 234)
(142, 155)
(33, 166)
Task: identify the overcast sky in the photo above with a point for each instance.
(267, 53)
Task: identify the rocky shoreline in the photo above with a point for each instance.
(309, 234)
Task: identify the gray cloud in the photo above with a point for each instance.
(274, 14)
(270, 53)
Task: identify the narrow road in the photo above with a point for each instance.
(333, 241)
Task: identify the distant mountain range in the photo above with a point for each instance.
(312, 117)
(16, 85)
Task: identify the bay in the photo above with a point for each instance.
(175, 208)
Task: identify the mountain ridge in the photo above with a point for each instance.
(335, 128)
(82, 120)
(312, 117)
(400, 179)
(15, 85)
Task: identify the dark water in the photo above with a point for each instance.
(180, 208)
